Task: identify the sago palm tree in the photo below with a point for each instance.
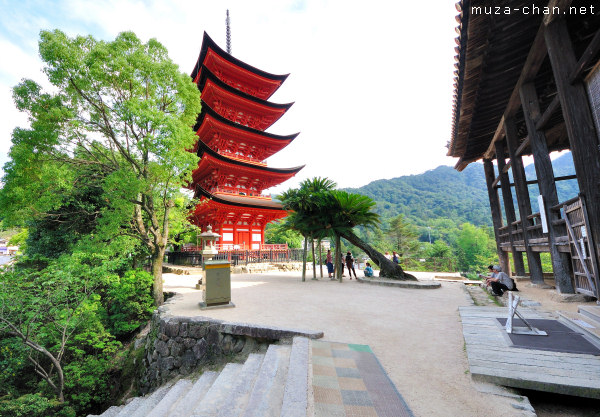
(346, 211)
(305, 212)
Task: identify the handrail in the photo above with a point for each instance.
(564, 203)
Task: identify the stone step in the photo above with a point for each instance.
(240, 393)
(267, 393)
(590, 311)
(218, 392)
(110, 412)
(130, 407)
(296, 393)
(171, 398)
(582, 323)
(185, 407)
(150, 401)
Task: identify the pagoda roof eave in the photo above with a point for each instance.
(240, 201)
(208, 75)
(207, 110)
(208, 43)
(205, 149)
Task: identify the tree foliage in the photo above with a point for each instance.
(403, 236)
(123, 110)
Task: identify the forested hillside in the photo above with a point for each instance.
(442, 192)
(446, 193)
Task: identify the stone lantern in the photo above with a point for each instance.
(208, 240)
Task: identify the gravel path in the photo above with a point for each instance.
(416, 334)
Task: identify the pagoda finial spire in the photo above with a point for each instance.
(228, 33)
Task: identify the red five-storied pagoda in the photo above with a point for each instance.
(233, 146)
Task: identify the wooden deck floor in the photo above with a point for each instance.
(492, 359)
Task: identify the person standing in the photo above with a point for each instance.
(395, 258)
(329, 263)
(350, 264)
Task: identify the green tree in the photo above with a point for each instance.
(475, 248)
(279, 232)
(126, 109)
(404, 236)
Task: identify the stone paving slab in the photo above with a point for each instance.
(348, 381)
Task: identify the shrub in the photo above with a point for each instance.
(129, 302)
(34, 405)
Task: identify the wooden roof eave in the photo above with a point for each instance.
(207, 110)
(203, 148)
(208, 43)
(207, 75)
(240, 201)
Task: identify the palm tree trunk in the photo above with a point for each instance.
(388, 269)
(312, 246)
(304, 259)
(320, 257)
(338, 254)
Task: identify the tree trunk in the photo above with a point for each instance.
(304, 259)
(312, 246)
(157, 266)
(320, 258)
(338, 254)
(388, 269)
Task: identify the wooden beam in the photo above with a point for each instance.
(533, 258)
(509, 207)
(506, 167)
(499, 134)
(546, 184)
(561, 4)
(496, 181)
(496, 213)
(578, 121)
(587, 58)
(534, 61)
(522, 146)
(552, 107)
(530, 182)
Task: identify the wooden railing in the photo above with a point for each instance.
(535, 236)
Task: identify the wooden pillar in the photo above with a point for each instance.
(509, 207)
(578, 120)
(496, 213)
(546, 184)
(533, 258)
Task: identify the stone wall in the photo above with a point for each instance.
(182, 345)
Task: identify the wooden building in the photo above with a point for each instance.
(233, 146)
(528, 83)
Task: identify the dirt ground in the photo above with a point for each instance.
(416, 334)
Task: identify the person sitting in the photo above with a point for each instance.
(368, 270)
(491, 269)
(499, 281)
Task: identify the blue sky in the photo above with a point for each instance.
(371, 81)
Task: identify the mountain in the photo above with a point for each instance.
(444, 192)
